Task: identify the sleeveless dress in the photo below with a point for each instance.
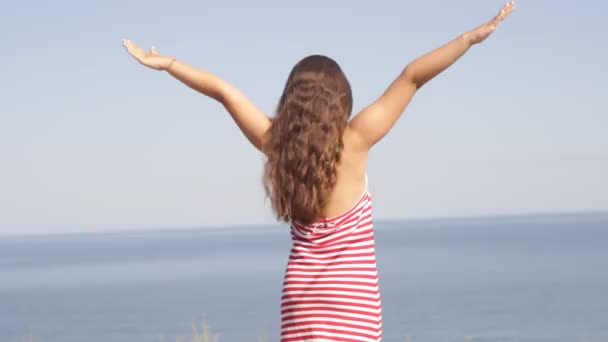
(330, 288)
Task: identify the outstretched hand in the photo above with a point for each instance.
(482, 32)
(151, 59)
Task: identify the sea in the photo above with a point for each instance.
(527, 278)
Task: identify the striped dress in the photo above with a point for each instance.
(330, 289)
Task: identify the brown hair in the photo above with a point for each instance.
(305, 142)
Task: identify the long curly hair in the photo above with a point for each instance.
(305, 142)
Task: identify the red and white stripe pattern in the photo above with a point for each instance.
(330, 289)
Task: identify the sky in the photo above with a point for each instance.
(90, 140)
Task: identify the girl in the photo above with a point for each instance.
(315, 178)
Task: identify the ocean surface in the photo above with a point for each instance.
(521, 278)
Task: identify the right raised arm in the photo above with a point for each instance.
(376, 120)
(253, 123)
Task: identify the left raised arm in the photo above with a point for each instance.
(377, 119)
(252, 122)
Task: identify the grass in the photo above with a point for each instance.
(29, 337)
(203, 333)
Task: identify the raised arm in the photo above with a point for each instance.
(252, 122)
(376, 120)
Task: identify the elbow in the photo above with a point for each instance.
(221, 95)
(409, 76)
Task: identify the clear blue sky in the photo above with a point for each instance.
(90, 140)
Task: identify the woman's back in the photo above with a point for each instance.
(330, 289)
(351, 174)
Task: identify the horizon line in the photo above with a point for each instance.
(164, 229)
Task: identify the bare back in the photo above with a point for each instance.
(351, 183)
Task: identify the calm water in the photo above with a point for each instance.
(540, 278)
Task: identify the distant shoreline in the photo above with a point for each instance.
(560, 215)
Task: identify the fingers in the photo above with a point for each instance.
(137, 52)
(504, 12)
(133, 49)
(128, 44)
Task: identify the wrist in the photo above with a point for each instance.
(467, 37)
(169, 63)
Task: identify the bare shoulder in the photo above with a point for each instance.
(353, 141)
(266, 141)
(354, 155)
(350, 181)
